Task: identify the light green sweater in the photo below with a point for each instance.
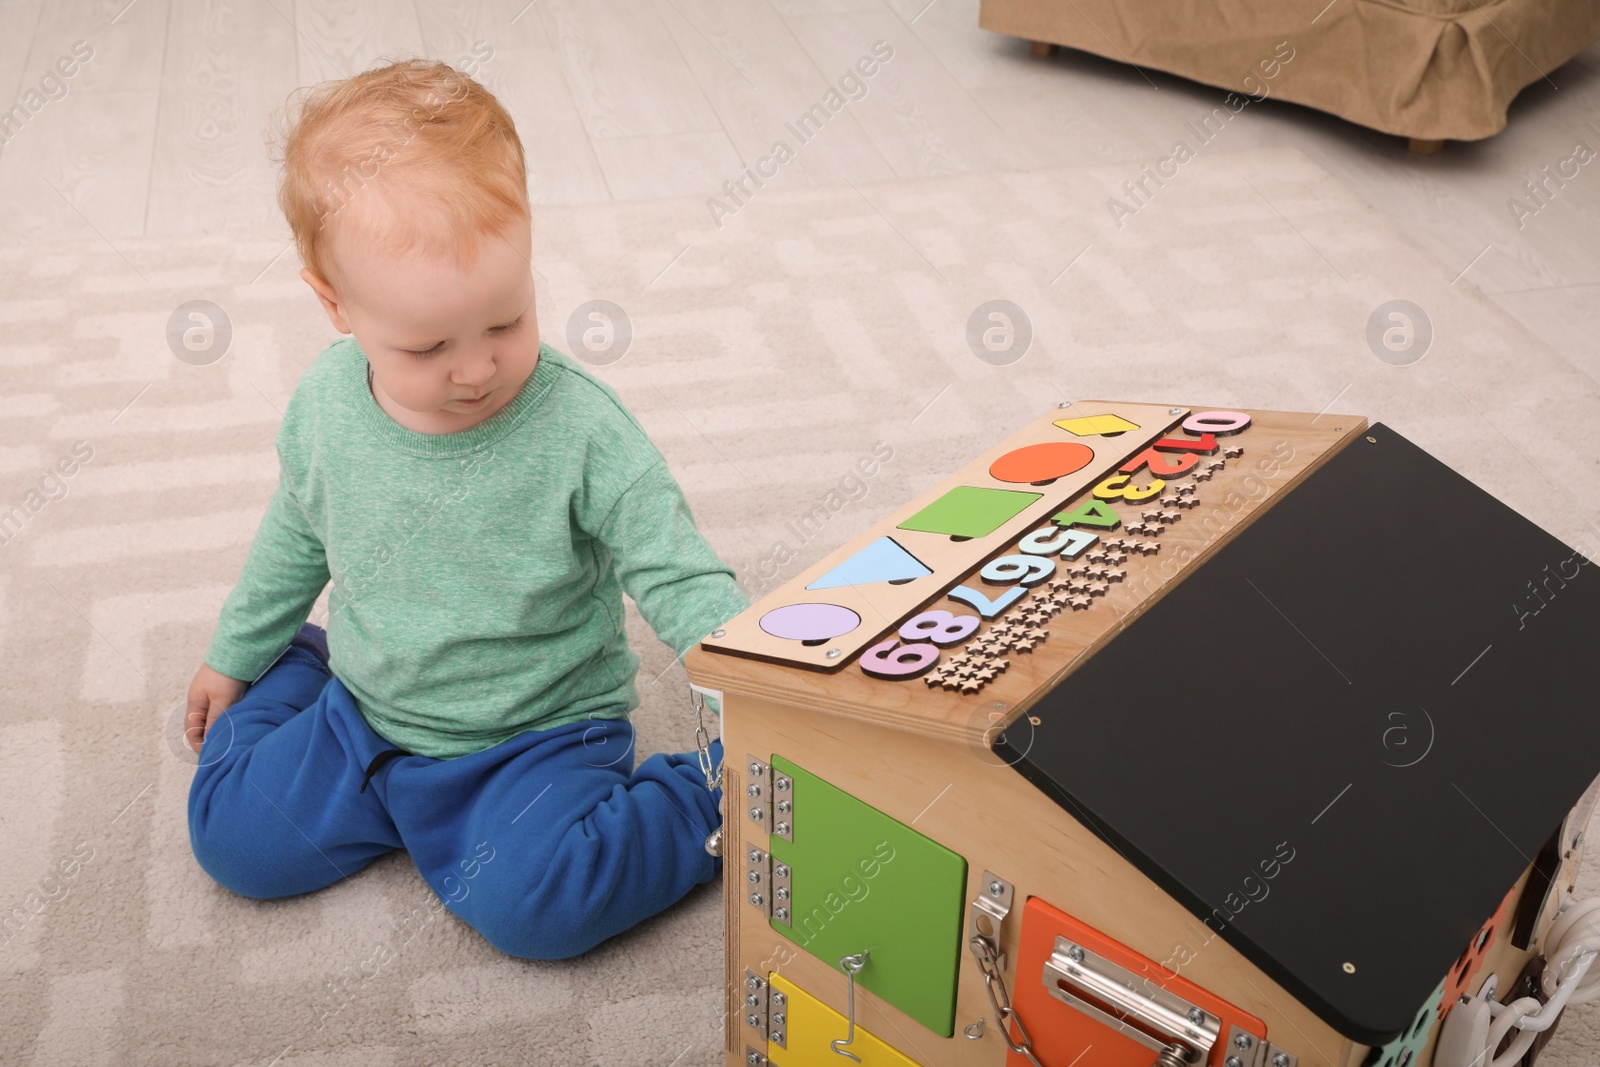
(478, 575)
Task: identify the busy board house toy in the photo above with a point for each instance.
(1164, 735)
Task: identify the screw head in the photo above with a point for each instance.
(756, 899)
(752, 1001)
(1242, 1041)
(781, 914)
(1280, 1060)
(1197, 1016)
(753, 877)
(1173, 411)
(782, 784)
(753, 1020)
(719, 633)
(753, 1059)
(755, 855)
(1233, 1061)
(782, 892)
(778, 1018)
(784, 806)
(755, 814)
(755, 770)
(781, 829)
(1075, 954)
(995, 889)
(781, 870)
(752, 982)
(752, 790)
(777, 1037)
(833, 653)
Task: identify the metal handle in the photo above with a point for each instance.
(1156, 1017)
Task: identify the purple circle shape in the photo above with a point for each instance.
(809, 622)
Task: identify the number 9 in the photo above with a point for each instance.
(1023, 570)
(884, 660)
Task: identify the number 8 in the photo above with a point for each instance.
(939, 626)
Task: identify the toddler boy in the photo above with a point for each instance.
(480, 503)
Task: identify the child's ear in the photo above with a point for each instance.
(329, 298)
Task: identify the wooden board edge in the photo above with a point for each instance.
(702, 664)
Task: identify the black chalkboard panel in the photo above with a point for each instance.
(1344, 737)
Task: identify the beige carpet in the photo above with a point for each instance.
(767, 356)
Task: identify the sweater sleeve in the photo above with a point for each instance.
(284, 573)
(683, 589)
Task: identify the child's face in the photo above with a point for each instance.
(448, 347)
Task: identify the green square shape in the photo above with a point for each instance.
(970, 511)
(907, 912)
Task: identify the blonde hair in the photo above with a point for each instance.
(433, 149)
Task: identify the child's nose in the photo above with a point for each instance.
(476, 369)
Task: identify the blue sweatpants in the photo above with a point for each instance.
(547, 844)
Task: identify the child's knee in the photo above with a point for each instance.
(233, 861)
(537, 937)
(225, 843)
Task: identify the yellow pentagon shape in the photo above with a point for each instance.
(1095, 425)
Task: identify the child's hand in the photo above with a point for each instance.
(209, 696)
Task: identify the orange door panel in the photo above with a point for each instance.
(1091, 1001)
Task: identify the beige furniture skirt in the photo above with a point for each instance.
(1432, 70)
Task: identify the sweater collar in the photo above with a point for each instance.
(461, 442)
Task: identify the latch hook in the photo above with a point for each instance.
(851, 965)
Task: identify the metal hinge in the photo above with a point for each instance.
(771, 798)
(1243, 1049)
(768, 885)
(759, 791)
(758, 879)
(1247, 1050)
(766, 1010)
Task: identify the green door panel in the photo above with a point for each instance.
(860, 880)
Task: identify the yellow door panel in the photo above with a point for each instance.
(810, 1024)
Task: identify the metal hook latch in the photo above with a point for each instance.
(851, 965)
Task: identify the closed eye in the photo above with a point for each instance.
(503, 328)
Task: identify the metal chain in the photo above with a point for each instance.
(702, 741)
(983, 949)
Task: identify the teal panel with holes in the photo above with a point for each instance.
(1404, 1050)
(860, 880)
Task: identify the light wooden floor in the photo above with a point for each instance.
(162, 131)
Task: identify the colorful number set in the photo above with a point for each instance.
(851, 598)
(829, 613)
(1077, 534)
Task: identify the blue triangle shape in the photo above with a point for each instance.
(881, 561)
